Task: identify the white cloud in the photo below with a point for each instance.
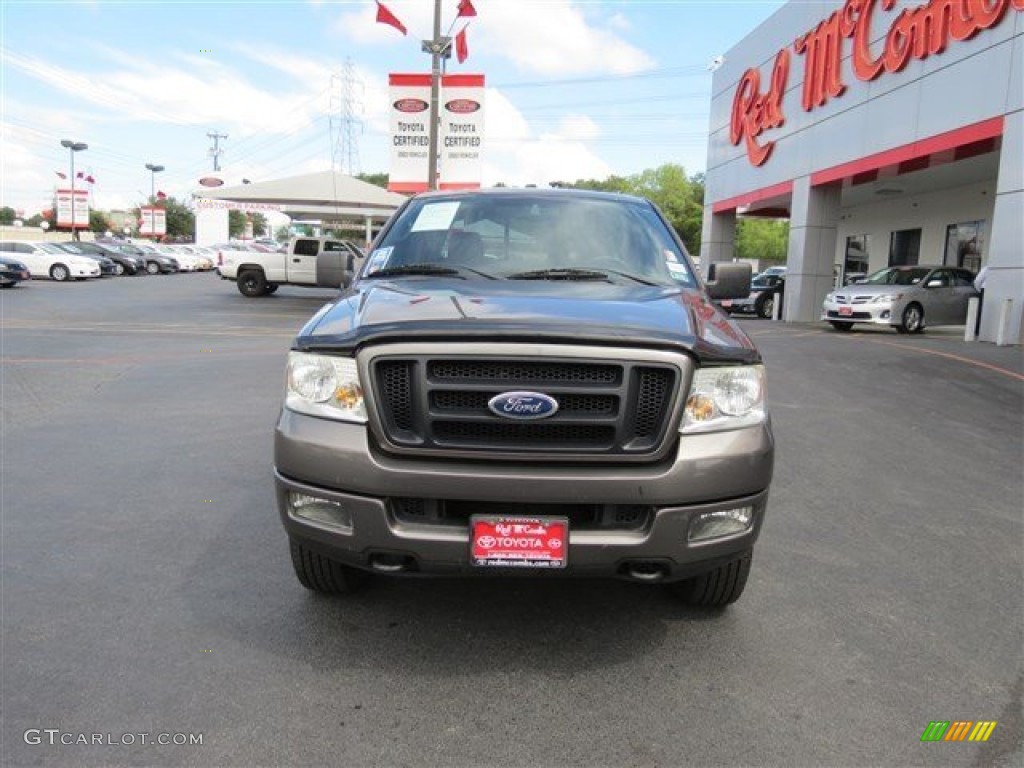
(199, 91)
(552, 38)
(515, 156)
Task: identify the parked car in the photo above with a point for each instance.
(516, 383)
(157, 261)
(124, 263)
(779, 270)
(186, 261)
(905, 298)
(107, 266)
(12, 272)
(49, 260)
(764, 292)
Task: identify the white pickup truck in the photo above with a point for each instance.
(316, 262)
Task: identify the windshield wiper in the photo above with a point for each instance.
(570, 273)
(416, 269)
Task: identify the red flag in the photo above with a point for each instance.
(62, 175)
(160, 195)
(461, 46)
(90, 179)
(384, 16)
(466, 9)
(80, 175)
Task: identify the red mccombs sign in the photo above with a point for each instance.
(915, 33)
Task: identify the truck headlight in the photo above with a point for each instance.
(324, 386)
(724, 398)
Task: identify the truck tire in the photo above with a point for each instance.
(717, 588)
(320, 574)
(252, 283)
(766, 307)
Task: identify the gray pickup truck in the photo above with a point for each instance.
(527, 382)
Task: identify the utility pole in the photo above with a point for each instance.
(439, 47)
(216, 151)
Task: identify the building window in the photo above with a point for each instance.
(904, 247)
(855, 263)
(964, 245)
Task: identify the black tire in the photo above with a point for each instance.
(841, 327)
(60, 273)
(320, 574)
(272, 288)
(716, 588)
(118, 268)
(252, 283)
(152, 268)
(912, 319)
(766, 307)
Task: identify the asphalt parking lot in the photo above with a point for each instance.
(147, 587)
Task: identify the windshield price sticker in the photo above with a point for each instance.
(379, 260)
(519, 542)
(435, 216)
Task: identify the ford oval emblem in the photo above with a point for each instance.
(523, 406)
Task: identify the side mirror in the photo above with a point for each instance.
(728, 280)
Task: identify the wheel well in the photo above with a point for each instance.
(247, 267)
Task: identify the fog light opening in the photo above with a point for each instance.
(721, 522)
(321, 511)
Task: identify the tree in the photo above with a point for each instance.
(7, 215)
(377, 179)
(98, 222)
(236, 224)
(259, 225)
(762, 239)
(282, 233)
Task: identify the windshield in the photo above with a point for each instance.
(517, 236)
(897, 276)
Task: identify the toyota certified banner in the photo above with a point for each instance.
(462, 131)
(459, 141)
(81, 208)
(152, 221)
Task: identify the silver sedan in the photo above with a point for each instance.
(905, 298)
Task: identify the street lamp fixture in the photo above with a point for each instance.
(72, 147)
(153, 171)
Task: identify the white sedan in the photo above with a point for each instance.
(48, 260)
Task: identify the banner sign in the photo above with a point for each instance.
(205, 203)
(459, 140)
(462, 131)
(81, 208)
(152, 221)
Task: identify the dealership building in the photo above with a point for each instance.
(887, 133)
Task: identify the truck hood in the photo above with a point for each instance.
(569, 312)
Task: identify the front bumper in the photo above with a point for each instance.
(337, 461)
(874, 314)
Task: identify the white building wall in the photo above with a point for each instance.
(931, 212)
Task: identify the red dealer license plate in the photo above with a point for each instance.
(518, 542)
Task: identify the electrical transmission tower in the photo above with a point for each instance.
(346, 106)
(215, 150)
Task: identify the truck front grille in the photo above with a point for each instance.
(441, 404)
(455, 512)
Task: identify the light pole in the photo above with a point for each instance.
(73, 146)
(153, 171)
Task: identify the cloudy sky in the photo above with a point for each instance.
(575, 89)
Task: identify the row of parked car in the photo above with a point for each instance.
(906, 298)
(80, 260)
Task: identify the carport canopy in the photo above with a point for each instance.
(327, 196)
